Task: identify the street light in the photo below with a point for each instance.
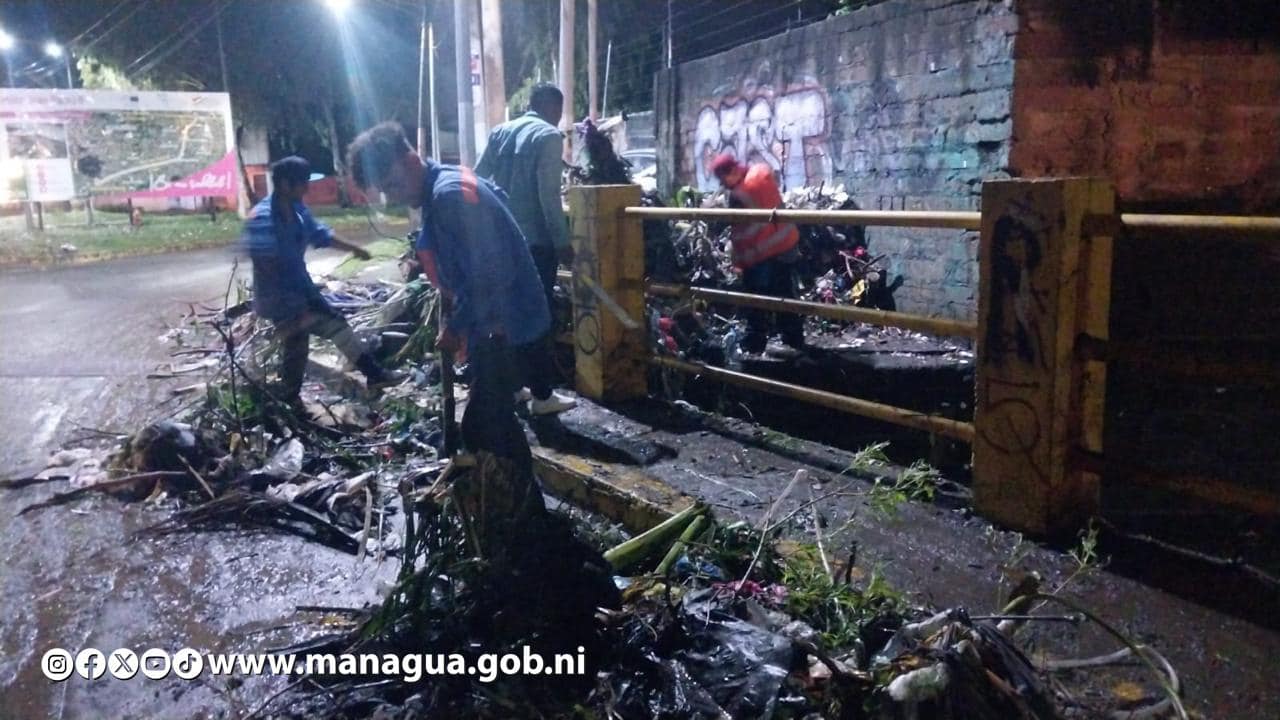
(426, 72)
(54, 50)
(338, 7)
(6, 44)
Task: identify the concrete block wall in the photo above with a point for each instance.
(907, 103)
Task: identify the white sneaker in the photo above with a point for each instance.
(552, 405)
(523, 395)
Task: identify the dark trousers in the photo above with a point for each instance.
(489, 423)
(773, 278)
(295, 334)
(539, 368)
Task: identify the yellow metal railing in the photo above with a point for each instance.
(1037, 420)
(842, 313)
(955, 220)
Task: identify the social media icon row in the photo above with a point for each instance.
(123, 664)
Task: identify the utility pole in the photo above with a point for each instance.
(431, 92)
(495, 89)
(593, 88)
(479, 81)
(423, 48)
(604, 99)
(222, 55)
(566, 73)
(242, 197)
(462, 60)
(670, 38)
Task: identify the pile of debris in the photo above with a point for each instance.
(836, 267)
(237, 453)
(712, 621)
(698, 617)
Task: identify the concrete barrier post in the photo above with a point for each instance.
(610, 338)
(1044, 279)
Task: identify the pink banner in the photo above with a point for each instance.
(217, 180)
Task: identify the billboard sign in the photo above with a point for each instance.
(49, 180)
(56, 144)
(38, 150)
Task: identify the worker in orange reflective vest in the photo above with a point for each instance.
(765, 252)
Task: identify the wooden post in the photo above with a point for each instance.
(1042, 283)
(608, 293)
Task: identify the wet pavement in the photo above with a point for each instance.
(76, 344)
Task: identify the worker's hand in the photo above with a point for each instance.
(361, 253)
(448, 341)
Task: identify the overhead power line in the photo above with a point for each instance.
(187, 24)
(99, 21)
(119, 23)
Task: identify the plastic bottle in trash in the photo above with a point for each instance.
(733, 349)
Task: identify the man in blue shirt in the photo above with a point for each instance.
(276, 237)
(482, 263)
(523, 157)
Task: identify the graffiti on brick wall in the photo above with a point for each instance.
(788, 130)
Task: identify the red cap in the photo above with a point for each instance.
(724, 163)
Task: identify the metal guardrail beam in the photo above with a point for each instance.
(1236, 224)
(845, 313)
(1220, 360)
(955, 429)
(956, 220)
(1259, 501)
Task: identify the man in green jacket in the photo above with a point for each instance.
(523, 157)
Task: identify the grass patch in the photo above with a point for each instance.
(835, 608)
(112, 236)
(389, 214)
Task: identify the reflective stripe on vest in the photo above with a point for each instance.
(766, 245)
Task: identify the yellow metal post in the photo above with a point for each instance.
(608, 293)
(1044, 281)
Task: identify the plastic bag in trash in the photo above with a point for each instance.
(658, 689)
(740, 664)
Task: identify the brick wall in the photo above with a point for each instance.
(1177, 102)
(907, 103)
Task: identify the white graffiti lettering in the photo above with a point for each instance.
(787, 131)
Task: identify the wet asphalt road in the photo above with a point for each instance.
(76, 344)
